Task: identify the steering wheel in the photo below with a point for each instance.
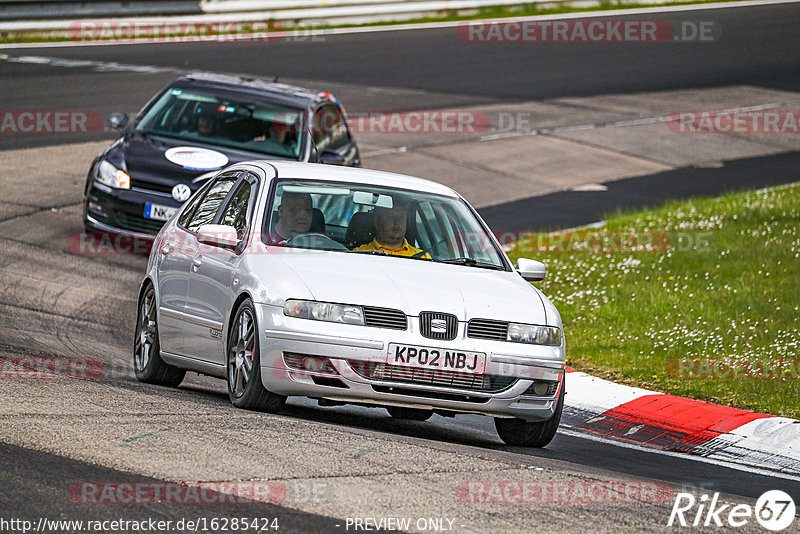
(315, 240)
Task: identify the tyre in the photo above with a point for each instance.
(147, 363)
(520, 433)
(410, 414)
(244, 365)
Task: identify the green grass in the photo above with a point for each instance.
(522, 10)
(726, 289)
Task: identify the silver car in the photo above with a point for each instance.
(350, 286)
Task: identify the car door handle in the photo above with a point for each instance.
(166, 249)
(197, 262)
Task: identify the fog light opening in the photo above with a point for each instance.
(95, 207)
(310, 364)
(542, 388)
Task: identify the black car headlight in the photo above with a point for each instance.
(324, 311)
(108, 174)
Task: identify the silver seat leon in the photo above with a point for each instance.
(350, 286)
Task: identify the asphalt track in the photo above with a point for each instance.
(427, 68)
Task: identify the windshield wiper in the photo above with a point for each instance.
(149, 134)
(382, 253)
(377, 252)
(472, 262)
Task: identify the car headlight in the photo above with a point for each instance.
(110, 175)
(324, 311)
(534, 334)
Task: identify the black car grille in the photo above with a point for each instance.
(431, 377)
(436, 325)
(138, 224)
(385, 318)
(151, 186)
(411, 392)
(487, 329)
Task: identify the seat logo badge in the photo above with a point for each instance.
(181, 192)
(439, 326)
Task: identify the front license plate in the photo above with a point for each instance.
(435, 358)
(158, 212)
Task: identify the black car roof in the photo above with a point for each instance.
(290, 94)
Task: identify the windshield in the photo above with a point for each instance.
(229, 120)
(368, 219)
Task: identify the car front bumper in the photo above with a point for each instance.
(122, 210)
(358, 371)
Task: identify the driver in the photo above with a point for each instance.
(390, 232)
(295, 214)
(206, 121)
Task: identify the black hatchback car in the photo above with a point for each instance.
(197, 125)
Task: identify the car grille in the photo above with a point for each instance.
(385, 318)
(435, 325)
(138, 224)
(431, 377)
(394, 390)
(151, 186)
(487, 329)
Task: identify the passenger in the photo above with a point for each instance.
(390, 233)
(294, 216)
(277, 132)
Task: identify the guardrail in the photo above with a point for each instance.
(54, 9)
(52, 16)
(277, 10)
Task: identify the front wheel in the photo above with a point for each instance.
(147, 363)
(244, 365)
(520, 433)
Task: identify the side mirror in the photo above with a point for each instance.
(117, 121)
(219, 235)
(531, 270)
(331, 158)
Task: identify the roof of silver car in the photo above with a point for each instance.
(317, 171)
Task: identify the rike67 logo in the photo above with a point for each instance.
(774, 510)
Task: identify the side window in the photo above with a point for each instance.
(330, 130)
(211, 202)
(236, 213)
(188, 211)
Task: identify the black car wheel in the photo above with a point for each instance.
(520, 433)
(147, 363)
(244, 365)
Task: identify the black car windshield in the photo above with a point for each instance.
(378, 220)
(227, 120)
